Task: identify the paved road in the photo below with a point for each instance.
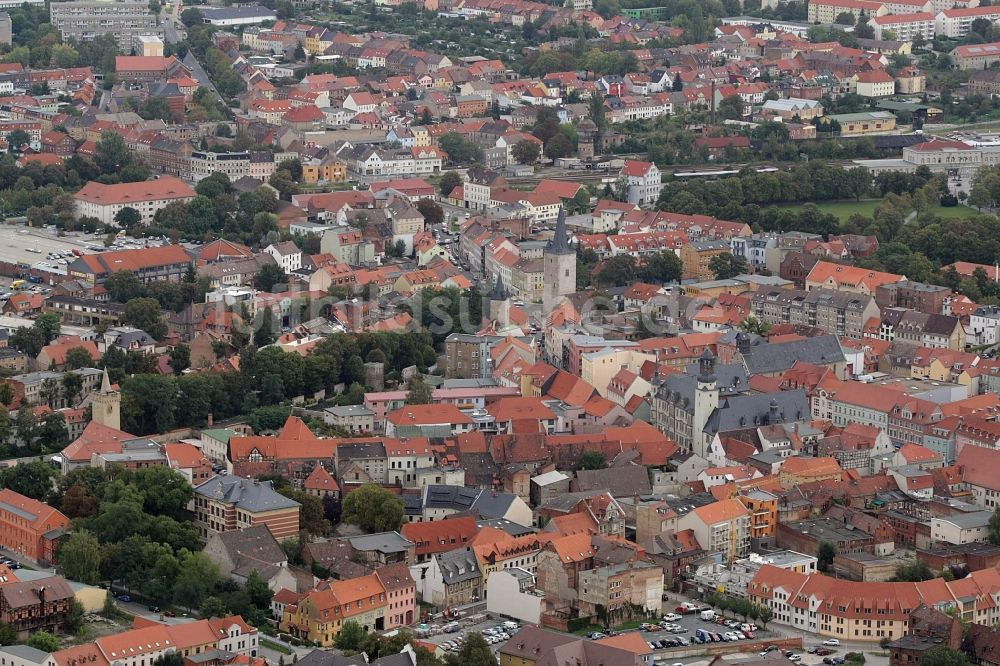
(200, 75)
(140, 610)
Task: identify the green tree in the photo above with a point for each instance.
(431, 210)
(111, 154)
(44, 641)
(268, 276)
(180, 358)
(198, 576)
(420, 393)
(475, 652)
(558, 146)
(74, 619)
(827, 551)
(165, 492)
(27, 339)
(731, 107)
(756, 326)
(128, 218)
(449, 181)
(764, 615)
(994, 527)
(258, 591)
(123, 286)
(8, 634)
(214, 607)
(17, 140)
(49, 325)
(264, 333)
(170, 658)
(913, 571)
(942, 655)
(76, 358)
(351, 636)
(80, 557)
(52, 432)
(144, 314)
(660, 268)
(592, 460)
(727, 266)
(192, 17)
(373, 508)
(526, 152)
(460, 150)
(32, 479)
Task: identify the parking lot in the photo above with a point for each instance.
(17, 244)
(32, 245)
(687, 626)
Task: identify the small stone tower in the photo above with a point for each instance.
(499, 304)
(586, 131)
(558, 267)
(706, 400)
(106, 405)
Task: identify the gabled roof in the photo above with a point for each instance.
(320, 479)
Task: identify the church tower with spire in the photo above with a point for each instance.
(499, 304)
(558, 266)
(106, 405)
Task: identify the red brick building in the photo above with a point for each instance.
(29, 527)
(226, 503)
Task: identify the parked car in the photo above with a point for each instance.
(795, 658)
(831, 641)
(124, 598)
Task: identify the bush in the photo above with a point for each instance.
(855, 657)
(578, 623)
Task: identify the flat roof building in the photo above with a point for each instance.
(83, 20)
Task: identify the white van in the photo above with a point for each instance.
(708, 615)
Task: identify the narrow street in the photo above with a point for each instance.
(199, 73)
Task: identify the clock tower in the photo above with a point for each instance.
(106, 405)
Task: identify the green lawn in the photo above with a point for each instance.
(844, 209)
(274, 646)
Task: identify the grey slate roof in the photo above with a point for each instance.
(458, 565)
(627, 481)
(493, 505)
(360, 451)
(758, 409)
(566, 501)
(770, 358)
(26, 653)
(458, 498)
(246, 494)
(731, 379)
(383, 542)
(253, 543)
(246, 11)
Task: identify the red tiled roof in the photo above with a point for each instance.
(163, 188)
